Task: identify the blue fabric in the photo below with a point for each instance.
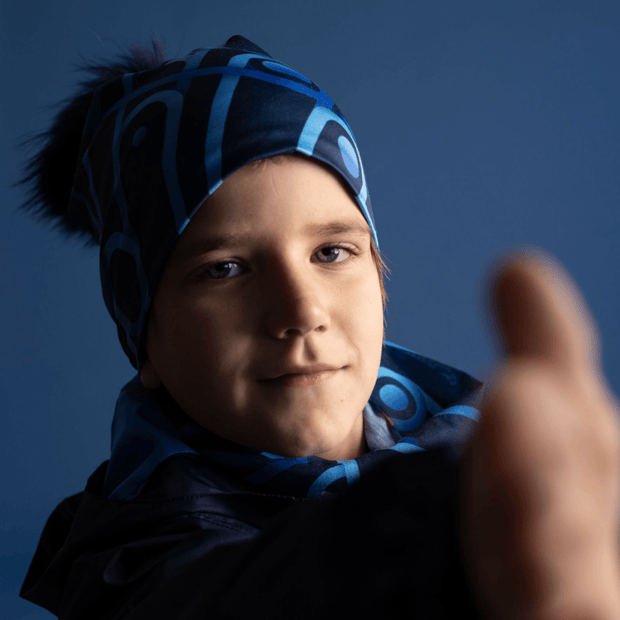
(417, 404)
(157, 143)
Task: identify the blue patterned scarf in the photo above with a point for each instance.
(416, 404)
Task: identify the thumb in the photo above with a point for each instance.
(538, 314)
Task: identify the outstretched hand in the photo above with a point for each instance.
(540, 477)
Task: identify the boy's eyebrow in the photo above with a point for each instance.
(338, 227)
(210, 244)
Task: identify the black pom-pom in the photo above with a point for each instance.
(48, 175)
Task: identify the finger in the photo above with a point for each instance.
(538, 313)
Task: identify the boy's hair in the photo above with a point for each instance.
(49, 173)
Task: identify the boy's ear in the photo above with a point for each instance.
(148, 375)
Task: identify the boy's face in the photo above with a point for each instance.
(215, 337)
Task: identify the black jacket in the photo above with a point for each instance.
(197, 544)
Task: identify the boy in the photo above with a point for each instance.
(262, 457)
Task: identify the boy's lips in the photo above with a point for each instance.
(288, 370)
(302, 379)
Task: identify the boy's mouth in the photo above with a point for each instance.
(301, 379)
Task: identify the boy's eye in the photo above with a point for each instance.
(220, 270)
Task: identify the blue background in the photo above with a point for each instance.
(481, 125)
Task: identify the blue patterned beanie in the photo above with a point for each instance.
(157, 143)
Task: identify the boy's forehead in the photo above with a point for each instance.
(314, 200)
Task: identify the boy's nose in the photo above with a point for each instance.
(295, 305)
